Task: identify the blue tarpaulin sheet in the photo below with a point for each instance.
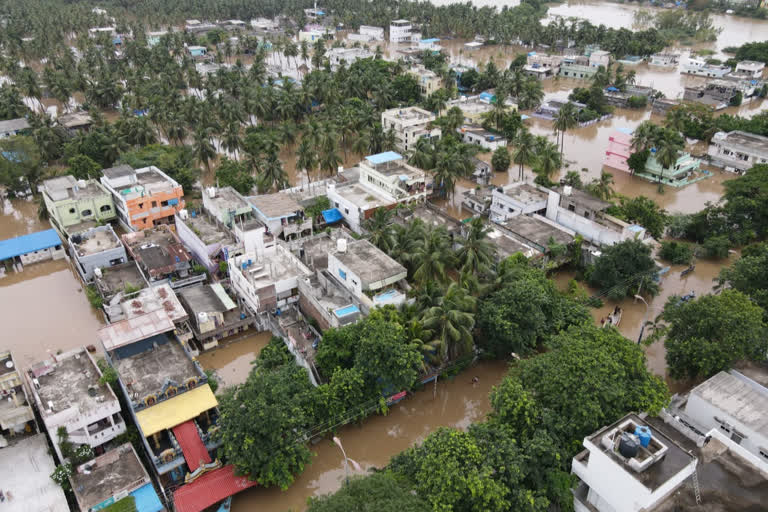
(332, 215)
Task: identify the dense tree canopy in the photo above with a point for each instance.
(379, 492)
(749, 274)
(624, 269)
(644, 211)
(709, 334)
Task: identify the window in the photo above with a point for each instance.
(342, 274)
(154, 204)
(105, 208)
(86, 213)
(71, 210)
(571, 207)
(346, 210)
(141, 206)
(764, 452)
(164, 203)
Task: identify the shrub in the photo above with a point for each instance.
(637, 101)
(716, 247)
(93, 296)
(679, 253)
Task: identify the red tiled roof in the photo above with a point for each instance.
(210, 489)
(189, 439)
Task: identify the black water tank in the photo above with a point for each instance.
(628, 445)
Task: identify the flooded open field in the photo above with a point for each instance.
(458, 403)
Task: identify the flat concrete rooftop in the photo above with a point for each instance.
(67, 187)
(115, 279)
(582, 198)
(96, 240)
(431, 217)
(107, 475)
(75, 119)
(154, 298)
(396, 168)
(25, 475)
(409, 114)
(274, 206)
(146, 373)
(205, 299)
(207, 230)
(506, 246)
(738, 398)
(369, 262)
(227, 198)
(525, 193)
(70, 381)
(536, 231)
(362, 197)
(745, 140)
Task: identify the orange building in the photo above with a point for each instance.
(143, 197)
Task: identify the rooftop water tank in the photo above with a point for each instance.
(644, 434)
(567, 190)
(341, 245)
(628, 445)
(211, 192)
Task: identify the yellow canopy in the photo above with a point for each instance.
(172, 412)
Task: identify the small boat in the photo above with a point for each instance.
(688, 271)
(688, 297)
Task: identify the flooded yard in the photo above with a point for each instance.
(232, 359)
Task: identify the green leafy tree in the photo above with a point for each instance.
(500, 159)
(589, 378)
(232, 173)
(623, 269)
(515, 407)
(525, 313)
(20, 164)
(82, 167)
(263, 422)
(452, 321)
(637, 161)
(711, 333)
(644, 211)
(449, 471)
(678, 253)
(379, 492)
(749, 274)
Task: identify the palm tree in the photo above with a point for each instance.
(379, 228)
(204, 150)
(433, 256)
(547, 161)
(524, 154)
(452, 322)
(645, 136)
(272, 175)
(666, 154)
(452, 119)
(232, 141)
(476, 255)
(567, 117)
(306, 156)
(603, 187)
(422, 155)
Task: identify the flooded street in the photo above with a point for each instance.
(232, 359)
(458, 404)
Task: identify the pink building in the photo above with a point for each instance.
(619, 149)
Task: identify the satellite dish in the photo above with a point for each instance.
(9, 364)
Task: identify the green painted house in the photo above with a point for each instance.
(74, 205)
(685, 169)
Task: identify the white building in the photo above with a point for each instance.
(13, 127)
(282, 215)
(68, 394)
(347, 56)
(737, 406)
(371, 33)
(409, 124)
(620, 473)
(354, 201)
(430, 44)
(361, 267)
(599, 58)
(750, 68)
(389, 174)
(517, 199)
(665, 59)
(428, 80)
(700, 67)
(269, 282)
(738, 150)
(400, 31)
(542, 66)
(473, 134)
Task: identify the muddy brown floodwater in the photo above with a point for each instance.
(44, 309)
(459, 403)
(700, 281)
(232, 360)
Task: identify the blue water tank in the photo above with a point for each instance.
(644, 434)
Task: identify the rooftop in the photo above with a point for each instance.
(108, 475)
(95, 240)
(390, 167)
(157, 249)
(361, 196)
(381, 158)
(31, 242)
(67, 187)
(536, 230)
(743, 139)
(116, 278)
(270, 270)
(207, 230)
(410, 114)
(75, 119)
(207, 299)
(131, 330)
(13, 125)
(149, 371)
(739, 398)
(525, 193)
(227, 198)
(582, 198)
(154, 298)
(275, 206)
(134, 183)
(506, 246)
(70, 380)
(369, 262)
(430, 217)
(652, 466)
(25, 473)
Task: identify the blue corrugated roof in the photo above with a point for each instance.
(430, 40)
(332, 215)
(146, 499)
(28, 243)
(381, 158)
